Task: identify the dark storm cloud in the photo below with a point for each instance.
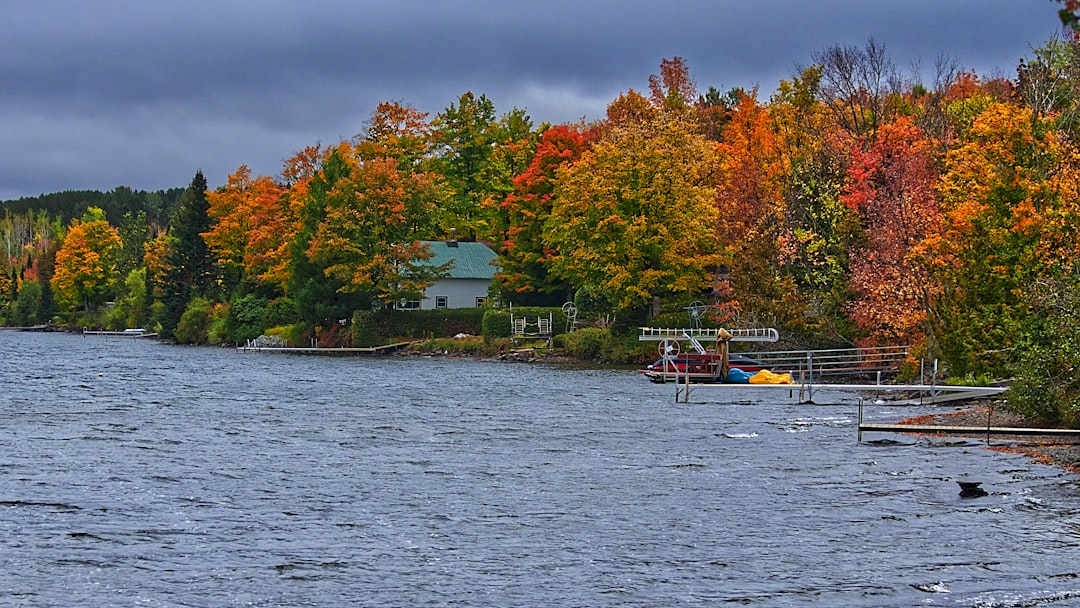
(127, 92)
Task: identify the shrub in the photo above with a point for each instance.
(194, 325)
(280, 311)
(244, 320)
(292, 334)
(587, 343)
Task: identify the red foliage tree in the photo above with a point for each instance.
(892, 187)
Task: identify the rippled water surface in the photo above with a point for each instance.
(134, 473)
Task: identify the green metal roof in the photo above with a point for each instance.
(470, 260)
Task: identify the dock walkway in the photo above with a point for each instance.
(385, 349)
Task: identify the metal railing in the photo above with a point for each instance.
(753, 334)
(835, 362)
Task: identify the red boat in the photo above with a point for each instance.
(702, 367)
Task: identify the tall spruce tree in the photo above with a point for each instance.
(191, 270)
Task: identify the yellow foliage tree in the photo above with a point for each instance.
(633, 218)
(85, 273)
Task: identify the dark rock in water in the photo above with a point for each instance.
(971, 489)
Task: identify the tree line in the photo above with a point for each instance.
(856, 206)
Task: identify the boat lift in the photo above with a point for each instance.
(809, 368)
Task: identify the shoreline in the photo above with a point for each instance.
(1054, 452)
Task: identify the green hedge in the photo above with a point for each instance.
(377, 328)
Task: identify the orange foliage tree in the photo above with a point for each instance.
(373, 220)
(249, 223)
(749, 205)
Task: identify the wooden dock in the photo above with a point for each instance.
(969, 431)
(344, 351)
(119, 334)
(940, 429)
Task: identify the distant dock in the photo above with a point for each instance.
(127, 333)
(385, 349)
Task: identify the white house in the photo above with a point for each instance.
(466, 285)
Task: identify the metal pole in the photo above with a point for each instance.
(933, 385)
(860, 422)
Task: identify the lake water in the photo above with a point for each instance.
(134, 473)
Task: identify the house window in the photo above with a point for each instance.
(404, 304)
(481, 302)
(440, 301)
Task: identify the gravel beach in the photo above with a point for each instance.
(1054, 451)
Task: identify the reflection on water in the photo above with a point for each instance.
(136, 473)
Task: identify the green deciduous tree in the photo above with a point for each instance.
(464, 138)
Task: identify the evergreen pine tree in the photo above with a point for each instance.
(191, 270)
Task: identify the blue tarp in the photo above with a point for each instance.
(738, 376)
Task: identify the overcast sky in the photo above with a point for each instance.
(142, 93)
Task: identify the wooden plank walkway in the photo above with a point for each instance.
(119, 334)
(970, 431)
(319, 350)
(965, 430)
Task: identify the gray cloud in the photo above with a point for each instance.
(126, 92)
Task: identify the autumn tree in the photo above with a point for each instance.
(523, 277)
(632, 218)
(891, 184)
(629, 108)
(85, 275)
(273, 254)
(672, 89)
(515, 144)
(1005, 224)
(251, 218)
(369, 239)
(399, 131)
(364, 214)
(749, 209)
(319, 297)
